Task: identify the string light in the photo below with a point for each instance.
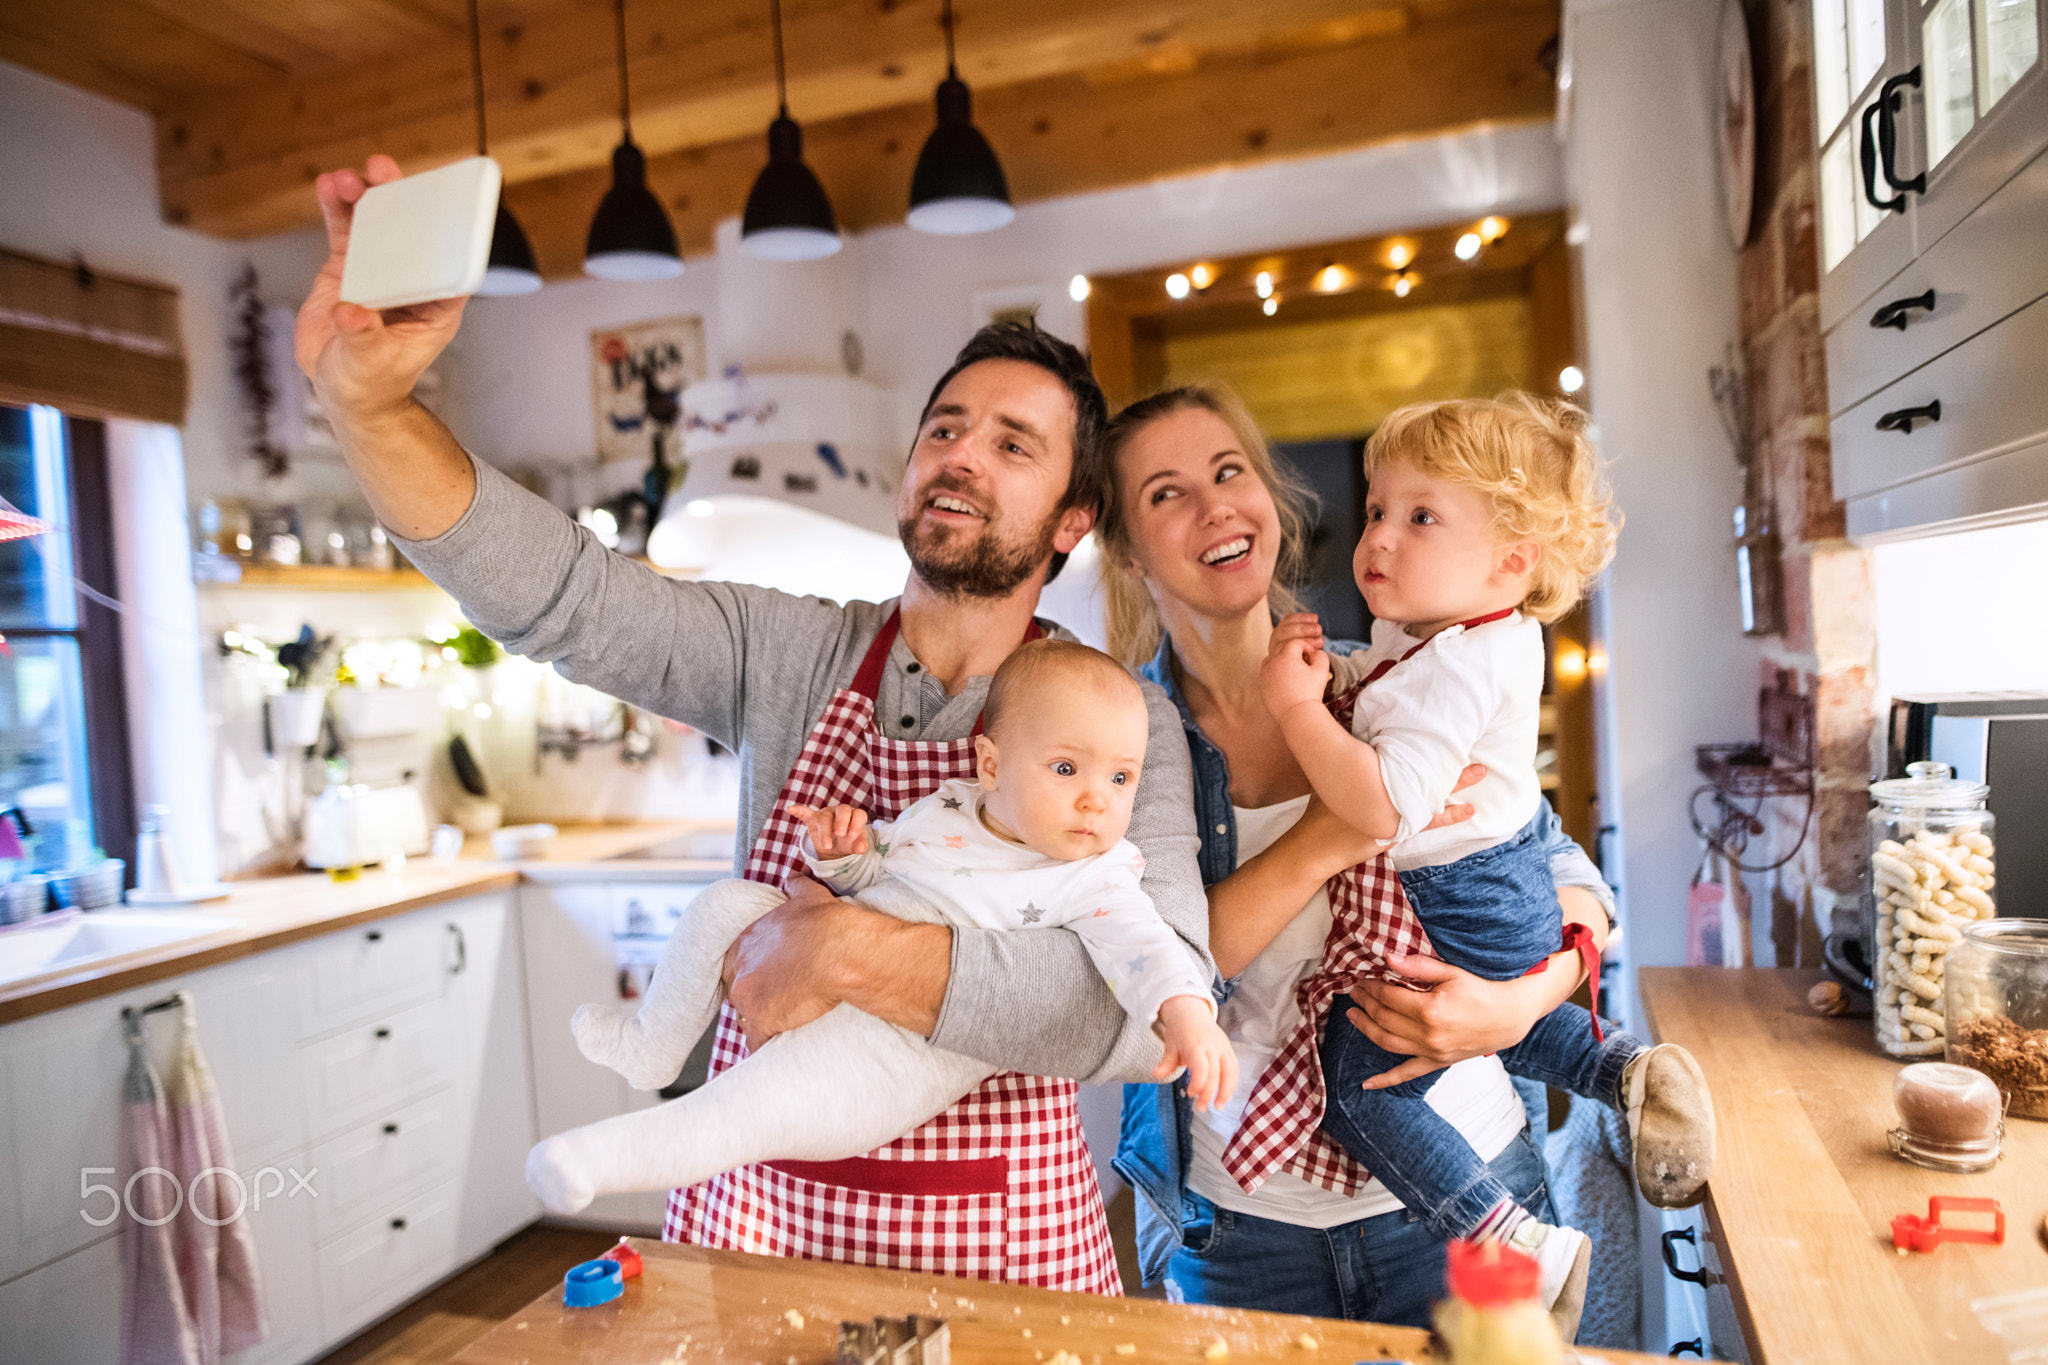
(1467, 247)
(1492, 229)
(1077, 289)
(1332, 278)
(1571, 379)
(1202, 276)
(1176, 285)
(1264, 284)
(1399, 254)
(1270, 307)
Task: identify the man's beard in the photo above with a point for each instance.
(985, 566)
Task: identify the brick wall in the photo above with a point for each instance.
(1829, 648)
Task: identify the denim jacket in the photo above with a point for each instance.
(1156, 1140)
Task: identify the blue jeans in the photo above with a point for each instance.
(1384, 1269)
(1494, 913)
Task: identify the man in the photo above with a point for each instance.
(1001, 485)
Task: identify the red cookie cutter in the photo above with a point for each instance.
(629, 1259)
(1910, 1232)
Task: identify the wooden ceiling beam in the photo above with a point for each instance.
(241, 164)
(1071, 134)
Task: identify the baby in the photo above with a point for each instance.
(1483, 519)
(1036, 843)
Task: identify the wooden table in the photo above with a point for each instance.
(725, 1306)
(1805, 1186)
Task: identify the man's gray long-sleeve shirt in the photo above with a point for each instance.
(754, 669)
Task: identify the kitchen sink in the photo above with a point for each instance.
(34, 949)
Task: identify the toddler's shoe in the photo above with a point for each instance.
(1564, 1258)
(1670, 1125)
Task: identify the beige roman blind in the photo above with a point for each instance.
(93, 344)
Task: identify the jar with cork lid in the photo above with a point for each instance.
(1932, 873)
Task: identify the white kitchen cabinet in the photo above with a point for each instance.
(408, 1109)
(1933, 354)
(580, 935)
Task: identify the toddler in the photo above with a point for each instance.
(1036, 843)
(1483, 519)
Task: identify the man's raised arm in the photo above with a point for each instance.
(364, 365)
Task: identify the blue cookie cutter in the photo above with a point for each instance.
(592, 1283)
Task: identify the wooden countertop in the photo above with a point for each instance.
(1805, 1185)
(696, 1305)
(270, 912)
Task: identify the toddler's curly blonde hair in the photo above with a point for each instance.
(1531, 459)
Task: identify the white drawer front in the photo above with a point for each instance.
(363, 972)
(1993, 263)
(409, 1146)
(1993, 392)
(407, 1245)
(365, 1070)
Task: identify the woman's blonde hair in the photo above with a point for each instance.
(1530, 457)
(1132, 619)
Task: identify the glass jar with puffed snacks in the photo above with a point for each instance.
(1933, 865)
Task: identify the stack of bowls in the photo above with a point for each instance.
(24, 898)
(88, 888)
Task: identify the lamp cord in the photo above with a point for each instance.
(946, 19)
(476, 71)
(625, 102)
(775, 24)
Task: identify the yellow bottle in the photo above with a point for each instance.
(1492, 1316)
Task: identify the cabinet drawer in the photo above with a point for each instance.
(1992, 397)
(405, 1147)
(406, 1246)
(363, 1071)
(363, 972)
(1993, 263)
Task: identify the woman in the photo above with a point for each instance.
(1199, 535)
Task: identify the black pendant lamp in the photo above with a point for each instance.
(512, 269)
(958, 186)
(631, 237)
(788, 217)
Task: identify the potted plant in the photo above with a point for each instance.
(295, 712)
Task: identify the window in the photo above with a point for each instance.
(63, 731)
(1973, 52)
(1848, 67)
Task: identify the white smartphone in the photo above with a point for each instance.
(425, 237)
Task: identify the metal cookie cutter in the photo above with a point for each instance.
(896, 1341)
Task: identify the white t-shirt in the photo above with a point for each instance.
(1468, 696)
(1474, 1095)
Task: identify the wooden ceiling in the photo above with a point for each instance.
(253, 98)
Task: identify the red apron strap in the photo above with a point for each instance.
(1386, 666)
(867, 679)
(1579, 939)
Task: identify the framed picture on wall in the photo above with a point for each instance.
(637, 377)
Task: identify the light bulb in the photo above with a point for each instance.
(1492, 229)
(1402, 284)
(1264, 284)
(1270, 306)
(1077, 289)
(1399, 254)
(1202, 276)
(1571, 379)
(1467, 247)
(1332, 278)
(1176, 286)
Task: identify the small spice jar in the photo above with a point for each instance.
(1997, 1011)
(1949, 1117)
(1931, 873)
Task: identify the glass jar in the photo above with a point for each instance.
(1932, 865)
(1997, 1011)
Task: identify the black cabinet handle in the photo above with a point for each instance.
(383, 1033)
(398, 1224)
(390, 1128)
(461, 950)
(1866, 151)
(1696, 1347)
(375, 936)
(1902, 419)
(1894, 313)
(1890, 101)
(1702, 1276)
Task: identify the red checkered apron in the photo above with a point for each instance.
(1370, 922)
(998, 1187)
